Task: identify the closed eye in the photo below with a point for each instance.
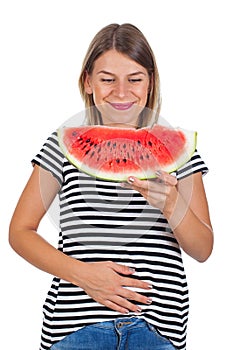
(108, 80)
(134, 80)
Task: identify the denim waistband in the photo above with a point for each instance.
(122, 323)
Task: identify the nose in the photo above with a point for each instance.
(121, 89)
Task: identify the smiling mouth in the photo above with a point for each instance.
(122, 106)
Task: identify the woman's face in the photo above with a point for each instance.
(120, 88)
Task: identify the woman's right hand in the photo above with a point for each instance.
(107, 282)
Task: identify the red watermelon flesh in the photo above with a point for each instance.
(115, 153)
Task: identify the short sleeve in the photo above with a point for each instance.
(51, 158)
(194, 165)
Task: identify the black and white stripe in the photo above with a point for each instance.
(99, 221)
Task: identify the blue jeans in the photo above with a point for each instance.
(122, 334)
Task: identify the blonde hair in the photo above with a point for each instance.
(128, 40)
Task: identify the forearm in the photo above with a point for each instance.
(194, 235)
(103, 281)
(38, 252)
(185, 206)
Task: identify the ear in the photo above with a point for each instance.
(87, 84)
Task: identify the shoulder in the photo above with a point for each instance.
(51, 157)
(195, 165)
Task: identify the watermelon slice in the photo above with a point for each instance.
(113, 154)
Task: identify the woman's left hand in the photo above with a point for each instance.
(184, 205)
(160, 192)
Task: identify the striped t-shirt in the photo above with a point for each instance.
(99, 221)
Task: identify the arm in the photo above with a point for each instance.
(102, 281)
(23, 237)
(189, 218)
(185, 206)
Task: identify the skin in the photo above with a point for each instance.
(122, 90)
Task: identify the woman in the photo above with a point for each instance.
(119, 278)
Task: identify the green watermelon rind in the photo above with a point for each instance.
(190, 147)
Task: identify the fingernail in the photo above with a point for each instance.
(149, 301)
(139, 309)
(131, 180)
(158, 173)
(132, 270)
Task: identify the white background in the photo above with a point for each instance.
(42, 46)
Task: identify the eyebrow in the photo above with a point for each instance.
(131, 74)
